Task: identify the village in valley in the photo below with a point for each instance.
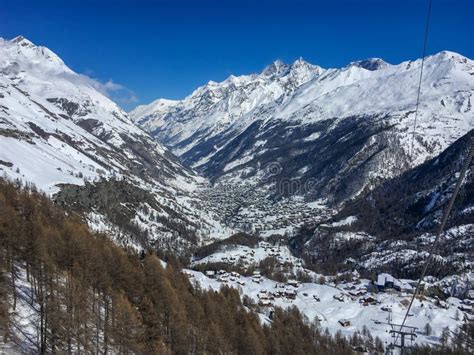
(345, 303)
(246, 208)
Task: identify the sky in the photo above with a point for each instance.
(150, 49)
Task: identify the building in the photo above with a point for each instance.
(385, 281)
(293, 283)
(290, 293)
(211, 274)
(344, 322)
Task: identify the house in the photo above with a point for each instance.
(257, 279)
(358, 292)
(265, 303)
(339, 297)
(223, 278)
(368, 300)
(211, 274)
(293, 283)
(290, 293)
(344, 322)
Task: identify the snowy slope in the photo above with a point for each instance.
(59, 132)
(330, 310)
(330, 127)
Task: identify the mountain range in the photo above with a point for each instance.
(296, 145)
(343, 129)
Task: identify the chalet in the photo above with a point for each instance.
(290, 293)
(339, 297)
(358, 292)
(265, 303)
(279, 293)
(368, 300)
(223, 278)
(241, 282)
(316, 298)
(292, 283)
(257, 279)
(211, 274)
(344, 322)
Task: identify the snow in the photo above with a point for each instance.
(330, 310)
(250, 256)
(344, 222)
(301, 94)
(238, 162)
(44, 109)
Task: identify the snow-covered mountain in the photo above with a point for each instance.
(329, 132)
(59, 132)
(393, 226)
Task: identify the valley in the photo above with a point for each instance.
(293, 189)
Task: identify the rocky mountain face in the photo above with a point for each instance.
(324, 133)
(392, 226)
(59, 132)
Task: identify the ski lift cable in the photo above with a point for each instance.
(442, 225)
(458, 184)
(421, 78)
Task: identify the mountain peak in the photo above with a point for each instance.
(447, 55)
(22, 41)
(276, 68)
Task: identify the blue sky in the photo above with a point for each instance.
(168, 48)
